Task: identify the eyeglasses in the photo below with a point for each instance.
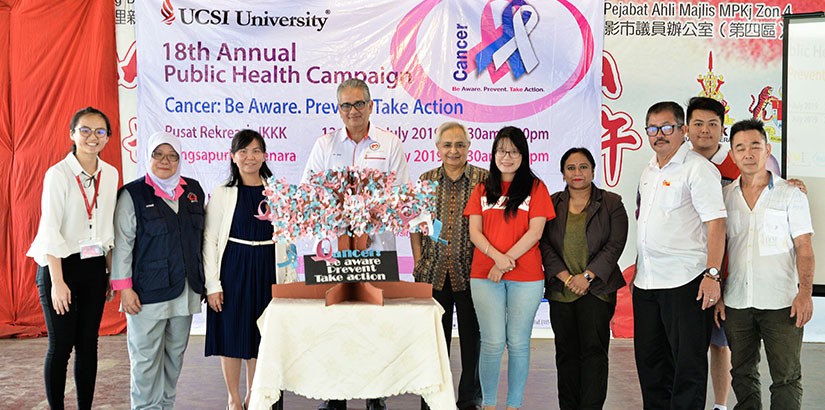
(86, 132)
(666, 129)
(173, 157)
(346, 107)
(503, 153)
(457, 145)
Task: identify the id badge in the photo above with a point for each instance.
(91, 248)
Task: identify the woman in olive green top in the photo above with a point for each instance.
(580, 250)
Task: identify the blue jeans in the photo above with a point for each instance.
(505, 311)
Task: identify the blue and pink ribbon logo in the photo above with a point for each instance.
(505, 39)
(505, 46)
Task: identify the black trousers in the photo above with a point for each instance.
(77, 329)
(582, 330)
(469, 339)
(671, 339)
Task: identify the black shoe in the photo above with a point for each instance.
(376, 404)
(333, 405)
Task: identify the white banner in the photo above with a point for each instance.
(205, 73)
(207, 70)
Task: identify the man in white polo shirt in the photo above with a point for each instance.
(771, 270)
(360, 144)
(680, 242)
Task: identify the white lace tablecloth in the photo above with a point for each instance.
(352, 350)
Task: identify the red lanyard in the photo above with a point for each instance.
(89, 206)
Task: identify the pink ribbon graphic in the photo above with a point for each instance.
(321, 255)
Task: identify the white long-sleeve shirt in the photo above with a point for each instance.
(64, 222)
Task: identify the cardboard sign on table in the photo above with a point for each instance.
(341, 280)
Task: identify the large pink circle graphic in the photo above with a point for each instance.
(404, 57)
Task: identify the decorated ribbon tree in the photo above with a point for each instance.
(349, 202)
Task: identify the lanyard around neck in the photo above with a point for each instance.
(93, 204)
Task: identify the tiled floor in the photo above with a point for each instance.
(201, 385)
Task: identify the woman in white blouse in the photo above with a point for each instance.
(72, 249)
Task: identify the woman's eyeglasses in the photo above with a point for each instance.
(504, 153)
(173, 157)
(86, 132)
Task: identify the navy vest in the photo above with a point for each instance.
(168, 246)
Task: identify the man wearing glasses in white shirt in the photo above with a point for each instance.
(680, 243)
(359, 144)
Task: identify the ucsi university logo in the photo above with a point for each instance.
(189, 15)
(167, 12)
(241, 17)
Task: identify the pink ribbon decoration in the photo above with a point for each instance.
(320, 255)
(407, 216)
(264, 216)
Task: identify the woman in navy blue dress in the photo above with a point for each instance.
(239, 264)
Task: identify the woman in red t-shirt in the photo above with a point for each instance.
(507, 215)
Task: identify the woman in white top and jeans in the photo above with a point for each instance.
(72, 249)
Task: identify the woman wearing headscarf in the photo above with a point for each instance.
(580, 251)
(72, 249)
(158, 268)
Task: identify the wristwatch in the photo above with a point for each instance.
(712, 273)
(588, 276)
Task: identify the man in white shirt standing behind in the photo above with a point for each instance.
(359, 144)
(771, 269)
(680, 242)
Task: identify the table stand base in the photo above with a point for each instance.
(359, 292)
